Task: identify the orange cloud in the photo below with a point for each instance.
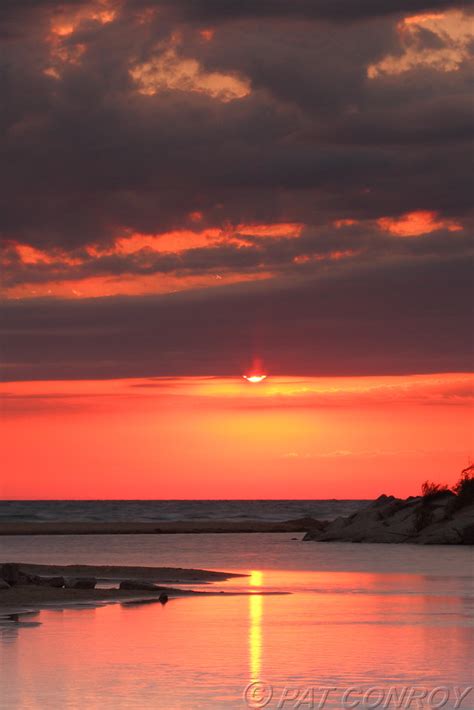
(172, 242)
(454, 35)
(345, 223)
(30, 255)
(277, 229)
(207, 34)
(128, 285)
(65, 23)
(167, 71)
(180, 240)
(414, 224)
(176, 241)
(331, 256)
(420, 19)
(145, 16)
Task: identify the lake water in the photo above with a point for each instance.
(145, 511)
(365, 626)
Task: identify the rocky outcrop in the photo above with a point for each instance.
(429, 520)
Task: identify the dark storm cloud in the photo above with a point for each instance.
(403, 318)
(337, 10)
(86, 158)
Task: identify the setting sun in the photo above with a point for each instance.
(254, 379)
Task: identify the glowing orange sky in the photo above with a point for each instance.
(226, 438)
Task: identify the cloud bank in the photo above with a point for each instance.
(184, 183)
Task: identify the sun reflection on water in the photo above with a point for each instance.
(255, 626)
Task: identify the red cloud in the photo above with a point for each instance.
(414, 224)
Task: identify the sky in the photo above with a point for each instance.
(192, 190)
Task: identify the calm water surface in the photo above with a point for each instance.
(358, 616)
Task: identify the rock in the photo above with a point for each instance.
(415, 520)
(24, 578)
(55, 582)
(138, 584)
(467, 535)
(382, 500)
(10, 572)
(4, 584)
(80, 583)
(309, 522)
(163, 598)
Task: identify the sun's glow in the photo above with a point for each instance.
(254, 378)
(298, 429)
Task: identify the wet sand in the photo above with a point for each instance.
(23, 597)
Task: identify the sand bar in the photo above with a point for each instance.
(166, 527)
(24, 597)
(160, 575)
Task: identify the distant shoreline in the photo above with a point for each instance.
(442, 518)
(166, 527)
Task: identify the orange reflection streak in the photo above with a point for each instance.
(255, 627)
